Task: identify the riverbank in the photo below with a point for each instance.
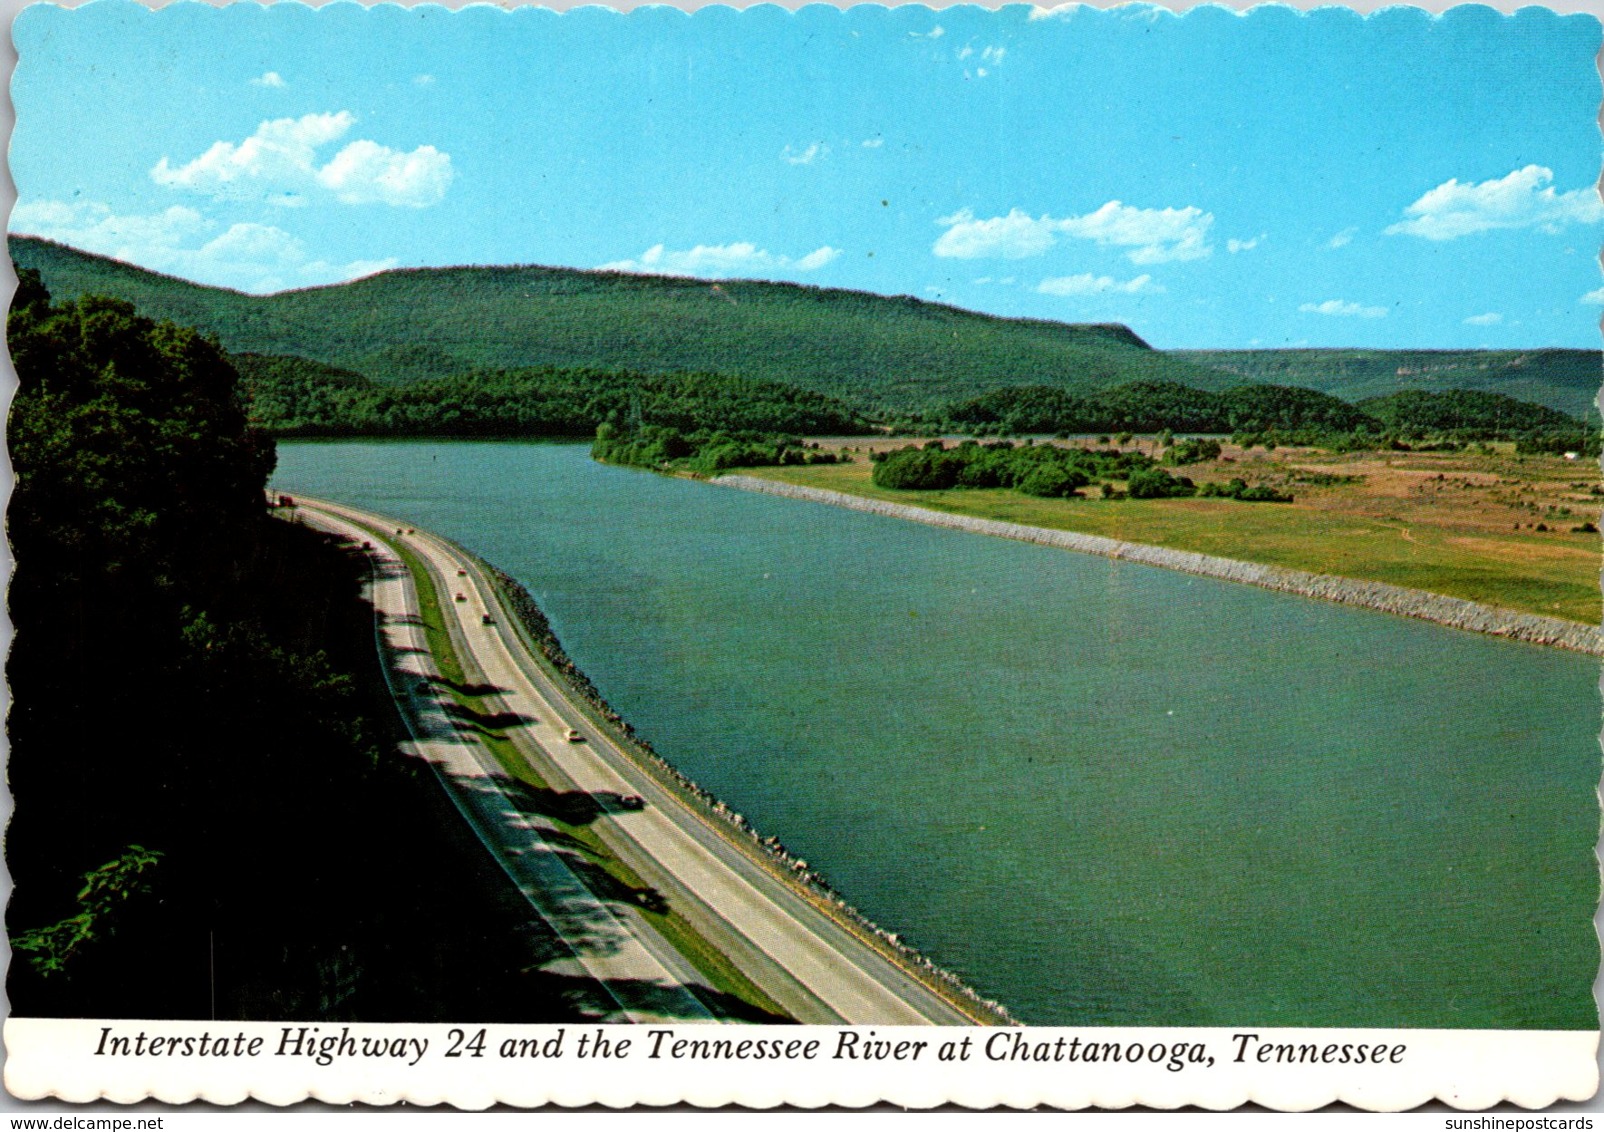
(769, 852)
(1454, 612)
(756, 918)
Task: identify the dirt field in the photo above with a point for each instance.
(1490, 526)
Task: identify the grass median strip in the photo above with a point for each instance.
(625, 884)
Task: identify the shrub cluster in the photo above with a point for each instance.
(1035, 469)
(664, 448)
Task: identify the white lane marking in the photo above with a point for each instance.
(603, 946)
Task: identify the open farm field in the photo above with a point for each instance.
(1488, 527)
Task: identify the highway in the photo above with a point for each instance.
(816, 968)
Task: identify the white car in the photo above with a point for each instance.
(573, 736)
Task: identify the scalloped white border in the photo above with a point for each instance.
(50, 1061)
(1466, 1069)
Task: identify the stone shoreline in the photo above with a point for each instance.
(1454, 612)
(785, 865)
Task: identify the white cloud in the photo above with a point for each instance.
(279, 163)
(818, 258)
(365, 172)
(1491, 318)
(1596, 298)
(1235, 246)
(1015, 236)
(422, 80)
(805, 156)
(1153, 235)
(874, 143)
(1088, 284)
(1524, 199)
(990, 56)
(720, 260)
(180, 241)
(934, 33)
(1342, 239)
(1340, 309)
(270, 79)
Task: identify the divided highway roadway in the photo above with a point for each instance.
(814, 967)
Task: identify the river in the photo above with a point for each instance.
(1103, 793)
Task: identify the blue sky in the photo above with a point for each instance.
(1212, 180)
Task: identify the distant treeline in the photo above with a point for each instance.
(1152, 406)
(1045, 470)
(665, 448)
(291, 396)
(1469, 415)
(1265, 413)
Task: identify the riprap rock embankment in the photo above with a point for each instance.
(1452, 611)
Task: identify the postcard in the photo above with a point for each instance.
(1035, 556)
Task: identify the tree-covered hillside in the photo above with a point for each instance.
(1567, 380)
(295, 397)
(884, 355)
(211, 820)
(1464, 412)
(897, 354)
(1152, 406)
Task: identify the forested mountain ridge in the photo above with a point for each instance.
(874, 352)
(1563, 379)
(881, 355)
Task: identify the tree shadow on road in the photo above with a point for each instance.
(465, 689)
(485, 722)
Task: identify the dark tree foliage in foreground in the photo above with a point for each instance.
(205, 825)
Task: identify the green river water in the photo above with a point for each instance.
(1102, 793)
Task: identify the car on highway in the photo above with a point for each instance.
(573, 736)
(631, 802)
(462, 597)
(487, 620)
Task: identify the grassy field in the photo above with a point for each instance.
(617, 876)
(1461, 524)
